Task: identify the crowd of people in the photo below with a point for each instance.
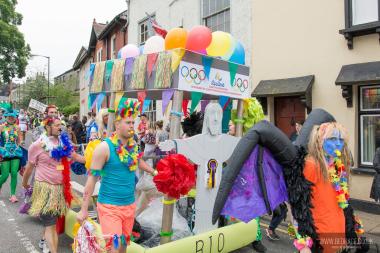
(45, 145)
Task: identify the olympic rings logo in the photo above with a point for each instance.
(241, 84)
(193, 75)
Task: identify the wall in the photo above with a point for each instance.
(296, 38)
(121, 36)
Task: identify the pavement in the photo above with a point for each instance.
(21, 233)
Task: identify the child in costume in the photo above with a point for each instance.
(10, 151)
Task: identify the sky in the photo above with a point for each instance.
(59, 28)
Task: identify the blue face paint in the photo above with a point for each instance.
(335, 142)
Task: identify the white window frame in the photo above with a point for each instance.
(361, 118)
(113, 47)
(215, 13)
(151, 113)
(99, 54)
(363, 19)
(144, 22)
(361, 98)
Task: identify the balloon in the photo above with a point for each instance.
(198, 38)
(220, 44)
(129, 51)
(141, 48)
(154, 44)
(176, 38)
(119, 54)
(239, 54)
(228, 55)
(203, 51)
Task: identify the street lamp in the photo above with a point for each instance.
(48, 58)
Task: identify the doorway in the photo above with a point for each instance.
(288, 111)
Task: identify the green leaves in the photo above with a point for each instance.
(14, 52)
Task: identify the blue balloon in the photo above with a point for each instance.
(141, 48)
(238, 56)
(119, 55)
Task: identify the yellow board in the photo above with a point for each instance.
(225, 239)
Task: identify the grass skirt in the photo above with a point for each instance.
(47, 199)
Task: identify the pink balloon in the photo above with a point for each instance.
(198, 38)
(129, 51)
(203, 51)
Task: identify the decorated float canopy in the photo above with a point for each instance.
(210, 64)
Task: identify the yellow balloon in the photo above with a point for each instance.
(89, 151)
(220, 44)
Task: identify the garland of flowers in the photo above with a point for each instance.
(10, 133)
(128, 154)
(60, 153)
(338, 177)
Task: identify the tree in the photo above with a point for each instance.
(14, 52)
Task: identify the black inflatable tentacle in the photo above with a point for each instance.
(260, 174)
(316, 117)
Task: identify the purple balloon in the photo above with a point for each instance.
(129, 51)
(238, 56)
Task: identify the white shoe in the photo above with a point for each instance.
(45, 249)
(41, 244)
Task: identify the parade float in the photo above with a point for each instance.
(184, 66)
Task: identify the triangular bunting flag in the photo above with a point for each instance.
(146, 105)
(177, 55)
(152, 58)
(185, 103)
(99, 100)
(204, 103)
(233, 68)
(128, 67)
(166, 97)
(141, 95)
(118, 96)
(207, 62)
(122, 102)
(91, 100)
(195, 98)
(223, 101)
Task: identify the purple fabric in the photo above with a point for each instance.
(246, 201)
(204, 103)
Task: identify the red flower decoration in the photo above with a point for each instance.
(176, 176)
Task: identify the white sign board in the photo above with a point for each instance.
(192, 77)
(37, 105)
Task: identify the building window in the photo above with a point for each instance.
(216, 14)
(99, 55)
(113, 47)
(145, 30)
(151, 113)
(364, 11)
(361, 18)
(369, 117)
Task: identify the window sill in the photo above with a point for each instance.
(359, 30)
(363, 170)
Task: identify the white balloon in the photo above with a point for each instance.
(154, 44)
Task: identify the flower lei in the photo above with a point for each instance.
(10, 133)
(60, 152)
(338, 177)
(128, 154)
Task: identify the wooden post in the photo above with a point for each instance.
(111, 115)
(239, 125)
(175, 130)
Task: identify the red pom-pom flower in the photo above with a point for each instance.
(176, 176)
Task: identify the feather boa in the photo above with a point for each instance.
(61, 152)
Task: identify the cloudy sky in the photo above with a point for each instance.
(59, 28)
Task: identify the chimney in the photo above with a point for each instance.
(94, 21)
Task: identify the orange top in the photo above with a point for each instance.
(328, 216)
